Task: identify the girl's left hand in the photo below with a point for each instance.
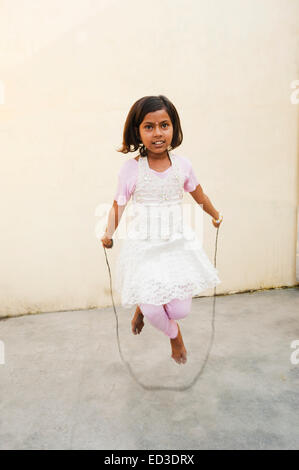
(214, 222)
(107, 242)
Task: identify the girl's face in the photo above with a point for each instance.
(156, 132)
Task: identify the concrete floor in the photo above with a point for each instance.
(63, 385)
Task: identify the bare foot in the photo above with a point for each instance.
(137, 322)
(179, 353)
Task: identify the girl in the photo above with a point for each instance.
(159, 268)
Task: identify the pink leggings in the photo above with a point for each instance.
(163, 316)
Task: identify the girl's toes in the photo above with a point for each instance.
(183, 358)
(177, 359)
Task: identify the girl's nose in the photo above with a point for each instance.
(157, 131)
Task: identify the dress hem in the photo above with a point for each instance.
(196, 291)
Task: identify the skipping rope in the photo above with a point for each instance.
(159, 387)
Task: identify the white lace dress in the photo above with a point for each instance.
(161, 257)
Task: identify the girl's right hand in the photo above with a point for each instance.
(107, 242)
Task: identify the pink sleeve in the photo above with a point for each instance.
(127, 177)
(191, 181)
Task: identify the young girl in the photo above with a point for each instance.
(161, 264)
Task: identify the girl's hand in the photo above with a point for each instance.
(107, 242)
(215, 223)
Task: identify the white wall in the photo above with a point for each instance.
(70, 71)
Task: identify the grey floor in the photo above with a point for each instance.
(63, 385)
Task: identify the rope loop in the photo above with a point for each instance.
(199, 373)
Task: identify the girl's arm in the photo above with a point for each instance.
(201, 198)
(114, 217)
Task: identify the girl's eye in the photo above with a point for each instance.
(164, 124)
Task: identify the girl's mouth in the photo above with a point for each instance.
(159, 143)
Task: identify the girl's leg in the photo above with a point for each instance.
(158, 317)
(178, 308)
(137, 321)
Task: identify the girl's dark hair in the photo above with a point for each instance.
(148, 104)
